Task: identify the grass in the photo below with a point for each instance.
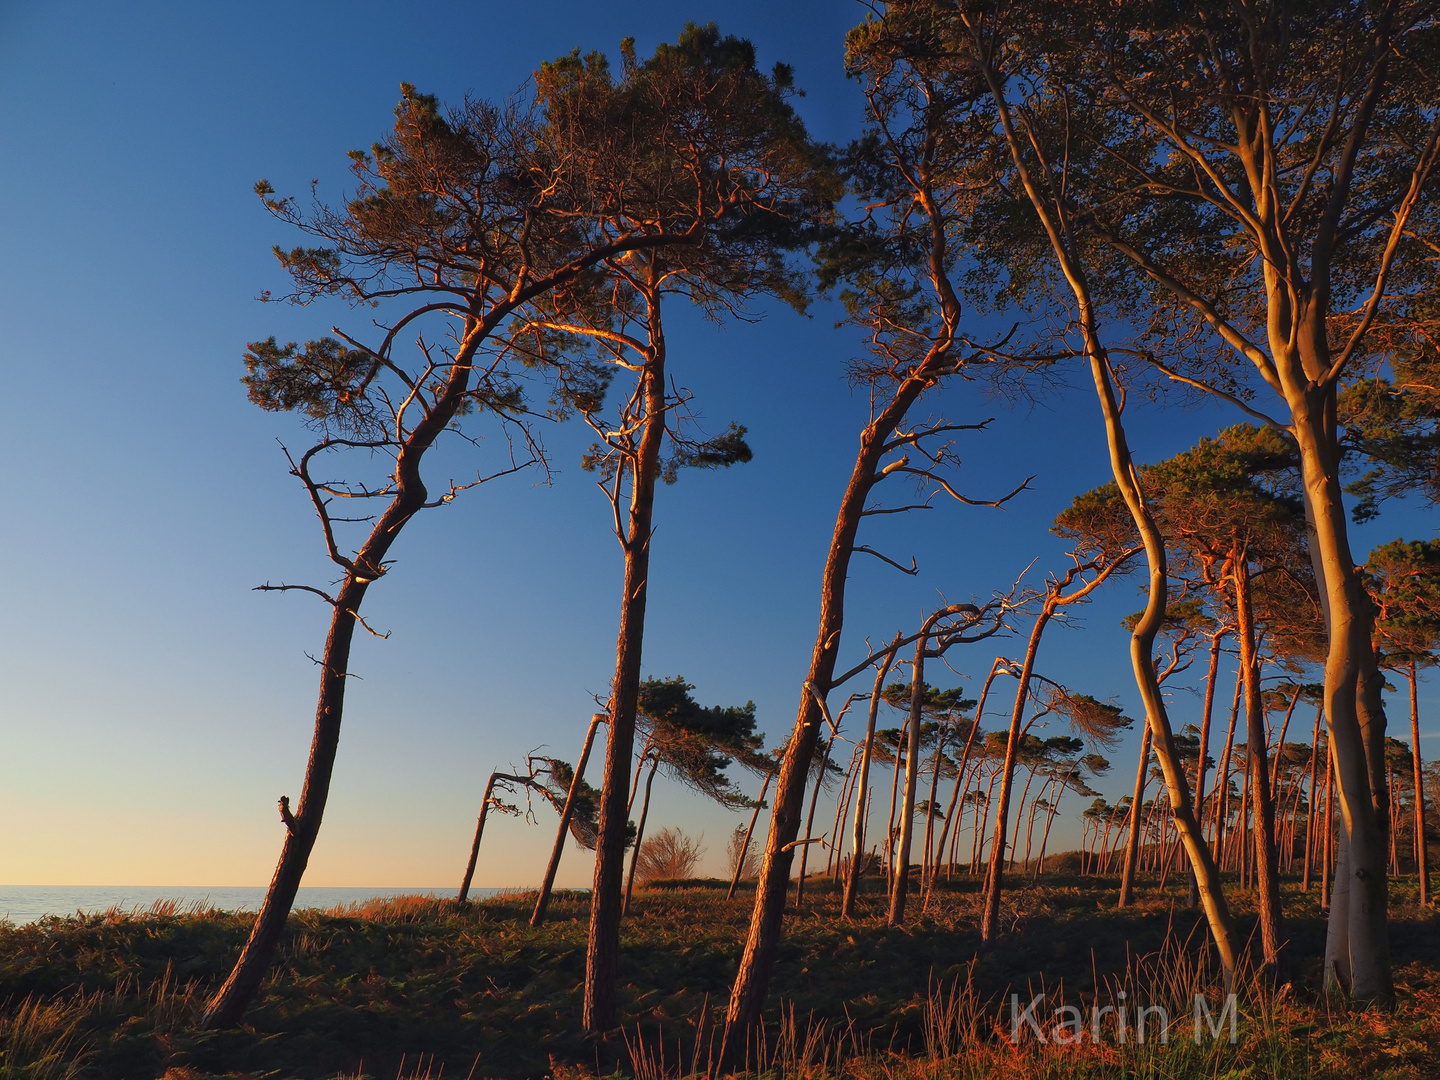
(411, 987)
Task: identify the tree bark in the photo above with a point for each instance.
(546, 887)
(302, 828)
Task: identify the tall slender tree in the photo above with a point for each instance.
(695, 133)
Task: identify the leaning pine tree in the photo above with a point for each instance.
(460, 221)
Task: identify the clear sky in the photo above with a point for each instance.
(153, 707)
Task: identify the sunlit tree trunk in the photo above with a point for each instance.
(752, 980)
(1132, 844)
(576, 786)
(602, 953)
(1267, 872)
(1142, 640)
(639, 833)
(912, 772)
(955, 795)
(1422, 858)
(749, 832)
(862, 785)
(810, 819)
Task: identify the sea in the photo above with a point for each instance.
(27, 903)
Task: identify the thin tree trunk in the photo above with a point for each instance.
(890, 836)
(1142, 638)
(912, 770)
(1267, 872)
(752, 979)
(833, 858)
(940, 740)
(990, 912)
(1329, 838)
(602, 952)
(1132, 844)
(1422, 856)
(1311, 802)
(303, 826)
(810, 819)
(749, 832)
(464, 892)
(639, 835)
(960, 775)
(547, 886)
(1020, 812)
(862, 802)
(1222, 792)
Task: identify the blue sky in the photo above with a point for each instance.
(153, 707)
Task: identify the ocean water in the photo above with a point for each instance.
(26, 903)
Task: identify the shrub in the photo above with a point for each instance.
(668, 856)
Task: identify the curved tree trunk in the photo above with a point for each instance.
(543, 900)
(1142, 639)
(990, 912)
(302, 828)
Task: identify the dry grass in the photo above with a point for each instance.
(410, 987)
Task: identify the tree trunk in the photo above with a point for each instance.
(1132, 845)
(862, 785)
(1355, 719)
(833, 857)
(749, 832)
(890, 835)
(752, 980)
(1422, 856)
(602, 953)
(990, 913)
(1267, 871)
(543, 900)
(960, 778)
(1142, 638)
(302, 828)
(810, 819)
(912, 771)
(639, 835)
(226, 1007)
(464, 892)
(1313, 799)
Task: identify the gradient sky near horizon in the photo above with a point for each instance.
(153, 707)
